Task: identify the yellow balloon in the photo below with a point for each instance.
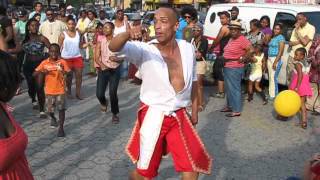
(287, 103)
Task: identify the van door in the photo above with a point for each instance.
(287, 20)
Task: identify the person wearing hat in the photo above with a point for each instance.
(221, 41)
(235, 52)
(234, 11)
(21, 24)
(200, 44)
(69, 12)
(38, 9)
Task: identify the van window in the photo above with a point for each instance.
(288, 21)
(313, 18)
(212, 17)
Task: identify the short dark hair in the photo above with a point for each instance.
(10, 77)
(302, 50)
(168, 6)
(99, 24)
(37, 3)
(49, 9)
(259, 46)
(110, 23)
(70, 18)
(54, 45)
(279, 24)
(256, 23)
(302, 14)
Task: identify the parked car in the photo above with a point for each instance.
(148, 17)
(278, 13)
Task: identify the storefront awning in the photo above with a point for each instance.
(183, 1)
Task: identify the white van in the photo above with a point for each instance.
(283, 13)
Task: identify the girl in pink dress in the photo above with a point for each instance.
(300, 82)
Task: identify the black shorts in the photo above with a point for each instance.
(218, 69)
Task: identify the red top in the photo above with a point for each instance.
(235, 49)
(13, 161)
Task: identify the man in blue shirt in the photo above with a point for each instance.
(188, 13)
(38, 9)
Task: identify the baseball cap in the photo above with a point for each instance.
(22, 12)
(69, 7)
(234, 8)
(224, 13)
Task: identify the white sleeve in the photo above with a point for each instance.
(194, 68)
(133, 51)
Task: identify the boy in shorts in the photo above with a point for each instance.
(54, 69)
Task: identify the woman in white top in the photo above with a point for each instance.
(70, 43)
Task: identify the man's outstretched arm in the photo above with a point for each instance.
(120, 40)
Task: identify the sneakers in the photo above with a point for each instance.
(43, 115)
(61, 133)
(35, 105)
(53, 123)
(219, 95)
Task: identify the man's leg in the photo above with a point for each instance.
(134, 175)
(190, 176)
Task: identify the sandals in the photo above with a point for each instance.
(226, 109)
(115, 119)
(233, 114)
(304, 125)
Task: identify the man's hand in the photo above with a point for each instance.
(194, 119)
(274, 65)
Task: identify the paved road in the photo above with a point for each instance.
(252, 147)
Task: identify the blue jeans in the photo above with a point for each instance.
(232, 81)
(111, 76)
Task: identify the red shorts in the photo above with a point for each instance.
(169, 141)
(75, 63)
(178, 137)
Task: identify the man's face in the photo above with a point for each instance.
(102, 15)
(120, 15)
(165, 25)
(301, 20)
(187, 17)
(38, 7)
(234, 15)
(50, 15)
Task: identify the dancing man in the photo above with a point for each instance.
(168, 70)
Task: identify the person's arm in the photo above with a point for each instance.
(9, 32)
(39, 70)
(298, 67)
(119, 41)
(264, 64)
(97, 56)
(223, 31)
(3, 44)
(45, 41)
(279, 55)
(303, 40)
(194, 100)
(60, 40)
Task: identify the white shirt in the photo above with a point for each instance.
(71, 46)
(52, 30)
(156, 89)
